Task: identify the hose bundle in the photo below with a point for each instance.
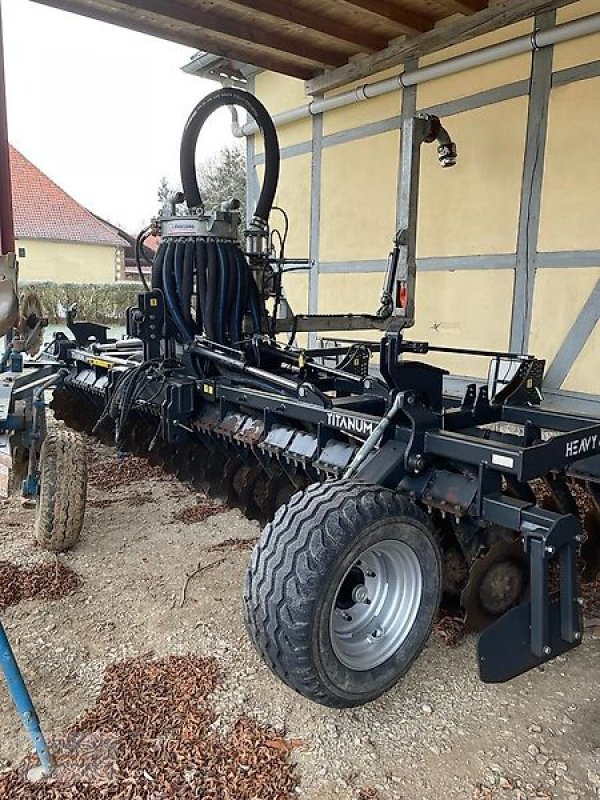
(207, 283)
(208, 289)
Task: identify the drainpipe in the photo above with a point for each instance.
(486, 55)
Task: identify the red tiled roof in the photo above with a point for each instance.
(152, 242)
(42, 210)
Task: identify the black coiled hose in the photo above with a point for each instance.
(230, 97)
(225, 287)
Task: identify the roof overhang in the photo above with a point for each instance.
(328, 43)
(217, 68)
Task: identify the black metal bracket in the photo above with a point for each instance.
(84, 332)
(543, 627)
(146, 321)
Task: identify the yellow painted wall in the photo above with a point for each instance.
(295, 285)
(473, 208)
(559, 296)
(485, 77)
(584, 374)
(293, 195)
(372, 110)
(570, 200)
(464, 308)
(470, 210)
(358, 292)
(579, 51)
(67, 262)
(279, 93)
(358, 198)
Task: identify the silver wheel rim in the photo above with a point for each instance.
(376, 604)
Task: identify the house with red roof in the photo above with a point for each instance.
(57, 239)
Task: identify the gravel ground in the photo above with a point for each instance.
(439, 734)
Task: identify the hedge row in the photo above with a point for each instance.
(104, 303)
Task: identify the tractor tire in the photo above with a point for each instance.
(342, 591)
(60, 506)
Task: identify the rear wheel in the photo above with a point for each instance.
(61, 500)
(342, 591)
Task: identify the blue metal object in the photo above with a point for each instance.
(12, 361)
(31, 485)
(22, 700)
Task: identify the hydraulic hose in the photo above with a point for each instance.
(170, 292)
(139, 254)
(255, 306)
(187, 285)
(201, 285)
(236, 311)
(241, 297)
(157, 266)
(178, 271)
(212, 291)
(230, 97)
(222, 297)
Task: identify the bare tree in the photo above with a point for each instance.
(221, 177)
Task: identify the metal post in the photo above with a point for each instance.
(413, 132)
(531, 189)
(22, 700)
(7, 229)
(315, 219)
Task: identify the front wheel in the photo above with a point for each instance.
(60, 506)
(342, 591)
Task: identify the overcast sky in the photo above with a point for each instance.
(100, 109)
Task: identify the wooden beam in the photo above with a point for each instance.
(444, 35)
(210, 20)
(199, 41)
(406, 21)
(465, 6)
(361, 39)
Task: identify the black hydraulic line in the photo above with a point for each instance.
(157, 266)
(234, 310)
(170, 292)
(201, 285)
(231, 286)
(187, 285)
(254, 301)
(138, 251)
(465, 351)
(221, 310)
(240, 366)
(243, 286)
(230, 96)
(212, 291)
(178, 270)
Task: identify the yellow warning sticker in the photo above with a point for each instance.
(100, 362)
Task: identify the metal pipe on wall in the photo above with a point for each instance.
(486, 55)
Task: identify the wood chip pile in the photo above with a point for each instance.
(117, 473)
(202, 509)
(150, 736)
(49, 581)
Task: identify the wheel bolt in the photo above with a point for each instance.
(359, 594)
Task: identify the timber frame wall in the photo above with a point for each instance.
(528, 264)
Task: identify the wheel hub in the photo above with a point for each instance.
(376, 604)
